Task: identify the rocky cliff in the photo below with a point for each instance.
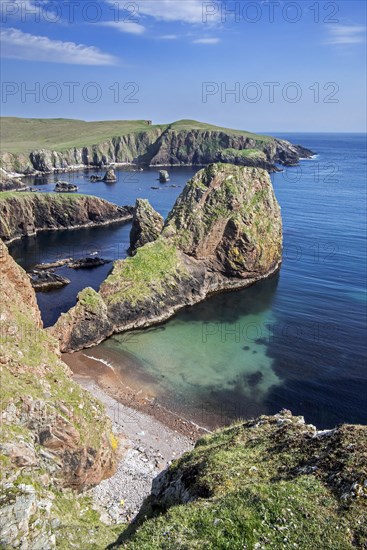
(181, 143)
(23, 214)
(224, 232)
(272, 482)
(54, 435)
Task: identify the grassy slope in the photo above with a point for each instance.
(265, 484)
(22, 135)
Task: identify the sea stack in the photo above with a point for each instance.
(163, 176)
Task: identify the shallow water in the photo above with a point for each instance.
(296, 340)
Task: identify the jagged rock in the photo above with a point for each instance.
(163, 176)
(88, 263)
(224, 232)
(65, 187)
(46, 280)
(110, 176)
(147, 225)
(30, 213)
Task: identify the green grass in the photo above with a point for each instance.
(154, 268)
(56, 197)
(23, 135)
(248, 490)
(245, 153)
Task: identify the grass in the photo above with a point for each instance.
(23, 135)
(244, 153)
(154, 268)
(248, 488)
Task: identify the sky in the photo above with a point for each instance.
(261, 65)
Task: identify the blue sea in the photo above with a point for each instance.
(295, 341)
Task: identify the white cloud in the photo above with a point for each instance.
(19, 45)
(126, 26)
(187, 11)
(206, 41)
(346, 34)
(168, 37)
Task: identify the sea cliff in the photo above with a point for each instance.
(25, 214)
(181, 143)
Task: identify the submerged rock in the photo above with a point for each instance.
(147, 225)
(224, 233)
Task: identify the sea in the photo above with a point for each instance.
(296, 340)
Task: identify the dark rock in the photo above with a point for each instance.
(88, 263)
(46, 280)
(65, 187)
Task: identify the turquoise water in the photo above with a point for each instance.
(296, 340)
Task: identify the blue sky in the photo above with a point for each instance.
(291, 66)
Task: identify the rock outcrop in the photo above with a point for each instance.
(181, 143)
(43, 281)
(163, 176)
(224, 232)
(147, 225)
(65, 187)
(54, 435)
(110, 176)
(269, 482)
(25, 214)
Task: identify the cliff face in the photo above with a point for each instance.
(271, 482)
(157, 147)
(54, 435)
(224, 232)
(23, 214)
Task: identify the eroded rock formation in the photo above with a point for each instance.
(27, 213)
(147, 225)
(224, 232)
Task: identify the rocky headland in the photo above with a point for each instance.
(25, 214)
(55, 438)
(224, 233)
(177, 144)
